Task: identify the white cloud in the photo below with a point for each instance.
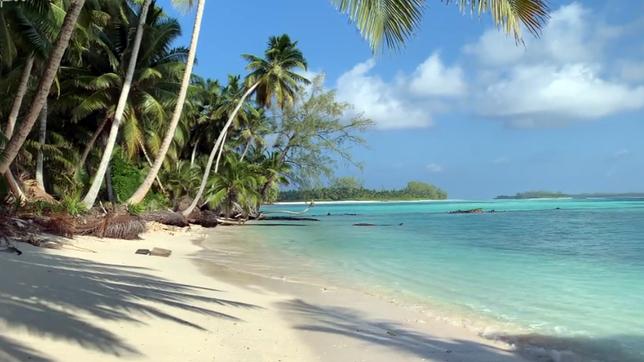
(434, 168)
(549, 95)
(555, 80)
(378, 100)
(406, 102)
(432, 78)
(570, 74)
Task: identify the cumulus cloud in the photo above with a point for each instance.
(433, 78)
(549, 95)
(555, 80)
(405, 102)
(570, 74)
(434, 168)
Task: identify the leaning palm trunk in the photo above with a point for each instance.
(90, 145)
(147, 158)
(14, 185)
(20, 95)
(215, 148)
(143, 189)
(40, 179)
(246, 148)
(51, 68)
(91, 195)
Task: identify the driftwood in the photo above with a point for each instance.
(116, 226)
(205, 218)
(166, 218)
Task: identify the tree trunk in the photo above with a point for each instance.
(90, 144)
(42, 138)
(108, 185)
(218, 144)
(48, 75)
(12, 183)
(90, 198)
(140, 193)
(14, 187)
(194, 154)
(246, 149)
(20, 95)
(147, 158)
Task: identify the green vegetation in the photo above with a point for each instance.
(534, 195)
(349, 188)
(547, 194)
(121, 117)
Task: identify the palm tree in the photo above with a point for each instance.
(25, 29)
(256, 126)
(235, 187)
(391, 20)
(272, 77)
(92, 90)
(42, 91)
(142, 191)
(91, 195)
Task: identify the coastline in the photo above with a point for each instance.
(75, 304)
(341, 202)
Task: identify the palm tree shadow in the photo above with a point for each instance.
(11, 350)
(350, 323)
(47, 294)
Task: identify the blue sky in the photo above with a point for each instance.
(461, 105)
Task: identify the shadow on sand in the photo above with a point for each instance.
(45, 295)
(389, 336)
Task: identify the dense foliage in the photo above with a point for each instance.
(104, 106)
(549, 195)
(348, 188)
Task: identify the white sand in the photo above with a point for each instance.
(73, 305)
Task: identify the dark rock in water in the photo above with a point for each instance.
(470, 211)
(368, 224)
(289, 218)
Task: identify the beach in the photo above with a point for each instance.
(96, 300)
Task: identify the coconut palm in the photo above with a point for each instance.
(91, 195)
(140, 193)
(234, 189)
(388, 21)
(274, 76)
(255, 128)
(25, 29)
(42, 90)
(92, 92)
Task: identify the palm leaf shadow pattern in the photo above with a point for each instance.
(52, 293)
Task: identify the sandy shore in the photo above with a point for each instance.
(105, 303)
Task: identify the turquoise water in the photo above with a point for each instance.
(570, 278)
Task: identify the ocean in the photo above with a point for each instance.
(561, 274)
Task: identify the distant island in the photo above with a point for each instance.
(349, 188)
(553, 195)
